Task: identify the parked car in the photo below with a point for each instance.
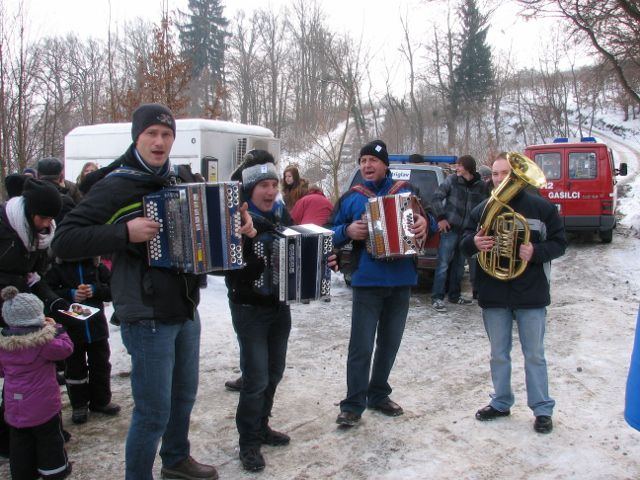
(581, 182)
(425, 178)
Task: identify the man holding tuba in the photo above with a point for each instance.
(516, 235)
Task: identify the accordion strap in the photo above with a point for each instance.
(361, 189)
(395, 188)
(128, 172)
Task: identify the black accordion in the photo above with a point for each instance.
(295, 260)
(200, 227)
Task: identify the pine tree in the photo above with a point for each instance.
(474, 75)
(202, 39)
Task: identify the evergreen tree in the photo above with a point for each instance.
(203, 36)
(474, 75)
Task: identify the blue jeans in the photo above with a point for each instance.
(164, 382)
(374, 309)
(498, 322)
(263, 335)
(450, 259)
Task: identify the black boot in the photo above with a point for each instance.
(251, 458)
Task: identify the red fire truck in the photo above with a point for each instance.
(581, 182)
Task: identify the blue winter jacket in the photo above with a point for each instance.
(369, 272)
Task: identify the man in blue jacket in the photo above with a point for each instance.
(381, 290)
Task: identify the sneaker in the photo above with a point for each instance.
(108, 409)
(275, 439)
(489, 413)
(543, 424)
(347, 419)
(80, 415)
(251, 458)
(438, 305)
(462, 301)
(189, 469)
(234, 385)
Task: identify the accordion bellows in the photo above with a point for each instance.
(200, 227)
(389, 219)
(295, 260)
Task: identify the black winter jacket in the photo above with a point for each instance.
(531, 289)
(97, 226)
(16, 263)
(64, 278)
(240, 282)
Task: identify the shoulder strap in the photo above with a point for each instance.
(397, 186)
(361, 189)
(129, 172)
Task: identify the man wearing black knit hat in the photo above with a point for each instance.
(160, 325)
(381, 291)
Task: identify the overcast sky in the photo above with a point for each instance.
(376, 21)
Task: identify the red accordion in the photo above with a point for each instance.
(389, 219)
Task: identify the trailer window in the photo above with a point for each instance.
(550, 163)
(583, 165)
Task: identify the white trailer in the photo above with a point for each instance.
(213, 148)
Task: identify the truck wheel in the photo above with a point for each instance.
(606, 236)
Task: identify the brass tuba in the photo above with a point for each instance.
(509, 228)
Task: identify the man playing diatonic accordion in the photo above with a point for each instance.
(157, 306)
(381, 290)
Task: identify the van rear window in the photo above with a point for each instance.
(583, 165)
(550, 163)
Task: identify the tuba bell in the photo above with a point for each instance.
(508, 227)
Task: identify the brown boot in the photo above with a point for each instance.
(189, 469)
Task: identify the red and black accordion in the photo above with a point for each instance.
(295, 260)
(200, 227)
(389, 219)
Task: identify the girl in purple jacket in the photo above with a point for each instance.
(29, 348)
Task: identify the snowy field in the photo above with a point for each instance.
(441, 378)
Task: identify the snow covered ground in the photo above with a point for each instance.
(441, 378)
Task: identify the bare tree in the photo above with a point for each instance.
(611, 26)
(407, 49)
(243, 64)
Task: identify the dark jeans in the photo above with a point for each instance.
(451, 262)
(88, 374)
(381, 310)
(39, 452)
(263, 333)
(164, 382)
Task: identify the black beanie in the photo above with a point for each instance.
(257, 165)
(13, 183)
(151, 114)
(378, 149)
(41, 198)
